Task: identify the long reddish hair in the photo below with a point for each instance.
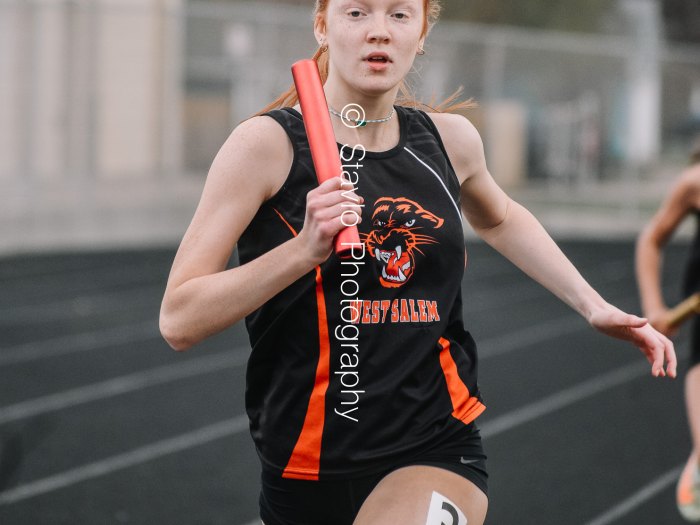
(431, 13)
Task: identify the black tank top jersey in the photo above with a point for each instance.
(364, 360)
(691, 283)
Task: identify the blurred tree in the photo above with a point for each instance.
(573, 15)
(682, 17)
(565, 15)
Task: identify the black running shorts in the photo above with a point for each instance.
(300, 502)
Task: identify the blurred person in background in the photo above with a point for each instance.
(682, 200)
(367, 417)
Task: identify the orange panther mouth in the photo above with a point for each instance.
(397, 266)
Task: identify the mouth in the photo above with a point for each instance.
(377, 58)
(395, 268)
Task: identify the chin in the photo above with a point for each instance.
(376, 86)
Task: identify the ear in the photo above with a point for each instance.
(421, 43)
(320, 28)
(425, 214)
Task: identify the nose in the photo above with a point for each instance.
(378, 32)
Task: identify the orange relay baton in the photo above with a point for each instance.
(319, 130)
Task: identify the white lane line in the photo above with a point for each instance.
(637, 499)
(80, 306)
(98, 275)
(563, 398)
(478, 301)
(57, 270)
(606, 273)
(79, 342)
(97, 339)
(122, 385)
(238, 424)
(128, 459)
(529, 336)
(538, 333)
(482, 266)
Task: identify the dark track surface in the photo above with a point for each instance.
(91, 399)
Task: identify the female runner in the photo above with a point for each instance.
(683, 200)
(362, 383)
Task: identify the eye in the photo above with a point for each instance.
(401, 16)
(355, 13)
(379, 223)
(410, 223)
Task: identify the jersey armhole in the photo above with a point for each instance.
(275, 115)
(438, 138)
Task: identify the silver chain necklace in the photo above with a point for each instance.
(360, 123)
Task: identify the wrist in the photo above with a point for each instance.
(306, 252)
(588, 303)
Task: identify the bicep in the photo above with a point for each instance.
(484, 203)
(248, 169)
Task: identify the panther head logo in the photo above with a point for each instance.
(397, 233)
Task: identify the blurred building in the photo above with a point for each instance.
(91, 99)
(111, 110)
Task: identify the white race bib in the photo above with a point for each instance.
(443, 512)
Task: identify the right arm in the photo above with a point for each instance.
(680, 201)
(202, 297)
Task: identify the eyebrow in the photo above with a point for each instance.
(398, 4)
(406, 5)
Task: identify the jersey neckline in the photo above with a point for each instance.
(378, 154)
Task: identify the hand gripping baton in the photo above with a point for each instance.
(683, 310)
(319, 130)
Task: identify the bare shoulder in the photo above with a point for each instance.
(689, 181)
(684, 194)
(249, 168)
(260, 147)
(462, 142)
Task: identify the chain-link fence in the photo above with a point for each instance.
(96, 93)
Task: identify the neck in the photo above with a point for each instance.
(377, 136)
(374, 106)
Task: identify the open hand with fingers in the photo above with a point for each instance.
(655, 346)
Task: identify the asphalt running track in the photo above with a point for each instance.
(100, 422)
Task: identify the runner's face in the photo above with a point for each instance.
(372, 43)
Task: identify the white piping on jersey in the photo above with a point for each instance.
(439, 180)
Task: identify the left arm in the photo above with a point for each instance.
(681, 200)
(514, 232)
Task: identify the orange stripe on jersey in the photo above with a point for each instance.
(464, 407)
(305, 461)
(294, 232)
(306, 457)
